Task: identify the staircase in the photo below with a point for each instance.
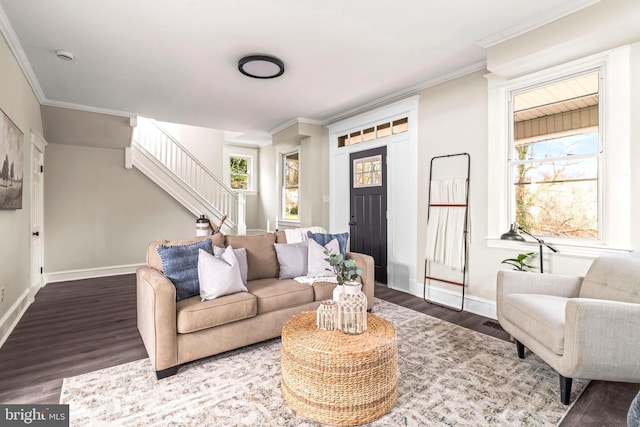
(161, 158)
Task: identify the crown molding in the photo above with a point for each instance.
(87, 108)
(16, 48)
(407, 92)
(559, 12)
(286, 124)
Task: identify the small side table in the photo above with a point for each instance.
(336, 378)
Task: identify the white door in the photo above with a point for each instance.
(38, 145)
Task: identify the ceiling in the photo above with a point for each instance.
(176, 60)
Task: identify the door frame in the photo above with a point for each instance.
(402, 188)
(38, 145)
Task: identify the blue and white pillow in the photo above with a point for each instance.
(323, 239)
(180, 265)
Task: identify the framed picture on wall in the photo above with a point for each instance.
(11, 171)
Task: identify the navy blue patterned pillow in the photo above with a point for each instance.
(323, 239)
(180, 265)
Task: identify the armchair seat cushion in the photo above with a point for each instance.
(541, 317)
(192, 314)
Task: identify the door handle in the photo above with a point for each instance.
(36, 233)
(353, 221)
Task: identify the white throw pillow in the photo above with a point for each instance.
(241, 255)
(317, 266)
(219, 276)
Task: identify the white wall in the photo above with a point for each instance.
(19, 103)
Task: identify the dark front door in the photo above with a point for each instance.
(368, 220)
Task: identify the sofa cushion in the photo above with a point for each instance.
(192, 314)
(219, 276)
(292, 259)
(323, 290)
(153, 258)
(323, 239)
(615, 278)
(262, 261)
(241, 255)
(275, 294)
(180, 265)
(540, 316)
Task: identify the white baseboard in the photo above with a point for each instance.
(472, 304)
(89, 273)
(11, 318)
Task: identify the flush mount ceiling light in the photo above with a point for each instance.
(261, 66)
(65, 55)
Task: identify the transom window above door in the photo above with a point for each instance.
(381, 130)
(367, 172)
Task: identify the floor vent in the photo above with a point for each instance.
(492, 324)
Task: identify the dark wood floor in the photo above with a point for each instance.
(81, 326)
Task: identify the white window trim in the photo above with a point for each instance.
(247, 153)
(615, 130)
(281, 156)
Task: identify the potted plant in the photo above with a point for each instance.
(346, 270)
(520, 262)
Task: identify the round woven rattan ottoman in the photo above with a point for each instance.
(336, 378)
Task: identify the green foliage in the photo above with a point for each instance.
(345, 269)
(520, 263)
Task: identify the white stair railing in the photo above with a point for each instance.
(198, 189)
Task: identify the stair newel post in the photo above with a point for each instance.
(242, 226)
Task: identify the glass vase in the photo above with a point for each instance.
(352, 308)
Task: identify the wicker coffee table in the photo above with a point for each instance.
(339, 379)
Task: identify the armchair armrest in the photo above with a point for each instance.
(602, 340)
(365, 262)
(522, 282)
(156, 316)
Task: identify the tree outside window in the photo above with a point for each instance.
(239, 168)
(291, 174)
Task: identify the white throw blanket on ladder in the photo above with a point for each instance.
(445, 228)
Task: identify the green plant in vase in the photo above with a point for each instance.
(520, 262)
(345, 269)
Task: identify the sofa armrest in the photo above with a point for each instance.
(156, 317)
(365, 262)
(602, 340)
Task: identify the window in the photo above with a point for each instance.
(554, 159)
(380, 131)
(291, 186)
(239, 168)
(367, 172)
(239, 172)
(568, 158)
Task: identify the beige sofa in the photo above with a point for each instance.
(582, 327)
(175, 333)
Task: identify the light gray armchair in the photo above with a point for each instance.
(582, 327)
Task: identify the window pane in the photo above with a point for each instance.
(367, 172)
(401, 125)
(383, 130)
(368, 134)
(343, 140)
(239, 181)
(558, 198)
(586, 143)
(355, 138)
(291, 203)
(291, 170)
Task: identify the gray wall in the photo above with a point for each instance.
(99, 214)
(19, 103)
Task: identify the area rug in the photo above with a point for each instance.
(448, 376)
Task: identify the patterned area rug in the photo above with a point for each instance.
(448, 376)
